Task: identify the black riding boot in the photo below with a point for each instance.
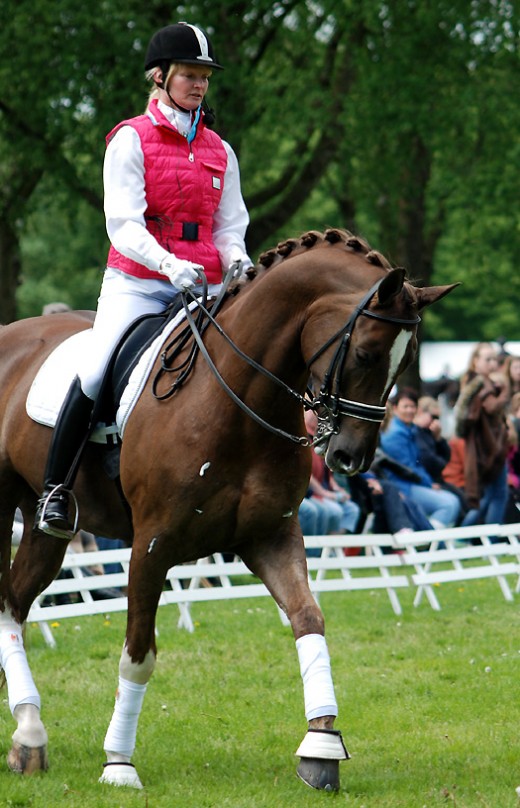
(72, 426)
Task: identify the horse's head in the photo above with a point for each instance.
(355, 365)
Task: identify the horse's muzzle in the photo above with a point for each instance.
(343, 457)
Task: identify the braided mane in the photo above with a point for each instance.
(314, 239)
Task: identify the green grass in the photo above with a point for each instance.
(429, 707)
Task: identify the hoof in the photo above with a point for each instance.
(320, 753)
(120, 774)
(27, 759)
(321, 774)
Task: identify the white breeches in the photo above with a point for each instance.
(122, 300)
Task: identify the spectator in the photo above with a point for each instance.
(482, 361)
(342, 513)
(453, 471)
(84, 542)
(434, 449)
(481, 421)
(111, 544)
(513, 471)
(511, 370)
(399, 441)
(392, 511)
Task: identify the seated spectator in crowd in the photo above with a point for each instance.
(308, 517)
(434, 449)
(316, 519)
(111, 544)
(393, 512)
(342, 513)
(481, 421)
(453, 473)
(84, 542)
(399, 441)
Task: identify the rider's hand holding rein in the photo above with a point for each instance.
(183, 275)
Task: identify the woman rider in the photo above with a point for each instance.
(173, 207)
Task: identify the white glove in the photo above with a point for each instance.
(238, 267)
(182, 274)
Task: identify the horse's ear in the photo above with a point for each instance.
(426, 295)
(390, 286)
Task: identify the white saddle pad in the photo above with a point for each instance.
(55, 376)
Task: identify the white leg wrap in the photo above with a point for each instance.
(318, 690)
(13, 659)
(121, 733)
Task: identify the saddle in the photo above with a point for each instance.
(126, 355)
(53, 380)
(124, 359)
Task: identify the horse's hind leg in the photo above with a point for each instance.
(282, 566)
(29, 750)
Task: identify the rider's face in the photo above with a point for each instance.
(189, 85)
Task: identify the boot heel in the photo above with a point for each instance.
(52, 517)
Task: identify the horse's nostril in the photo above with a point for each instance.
(341, 462)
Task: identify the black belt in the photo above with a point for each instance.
(190, 231)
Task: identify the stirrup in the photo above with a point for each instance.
(50, 530)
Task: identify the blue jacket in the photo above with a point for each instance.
(433, 454)
(400, 442)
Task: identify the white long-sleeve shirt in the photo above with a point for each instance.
(125, 200)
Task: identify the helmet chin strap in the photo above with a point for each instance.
(160, 86)
(194, 114)
(175, 104)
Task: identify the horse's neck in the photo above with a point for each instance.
(265, 323)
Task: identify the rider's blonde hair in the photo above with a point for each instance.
(155, 90)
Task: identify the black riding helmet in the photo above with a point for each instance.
(182, 43)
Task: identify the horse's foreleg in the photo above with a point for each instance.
(323, 747)
(283, 568)
(121, 735)
(29, 750)
(136, 666)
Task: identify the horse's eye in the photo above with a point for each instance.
(366, 358)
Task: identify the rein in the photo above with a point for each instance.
(327, 401)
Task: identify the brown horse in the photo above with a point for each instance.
(221, 465)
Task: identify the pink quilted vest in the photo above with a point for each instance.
(183, 186)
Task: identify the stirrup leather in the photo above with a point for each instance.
(47, 527)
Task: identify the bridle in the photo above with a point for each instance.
(328, 404)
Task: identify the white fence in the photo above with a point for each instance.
(344, 563)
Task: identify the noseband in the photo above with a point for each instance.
(328, 404)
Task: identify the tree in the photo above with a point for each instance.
(392, 118)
